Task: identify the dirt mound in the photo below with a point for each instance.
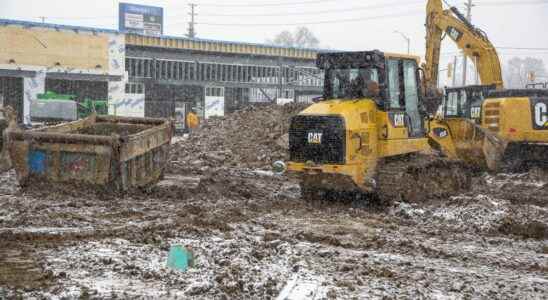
(250, 138)
(527, 229)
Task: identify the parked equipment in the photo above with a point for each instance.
(115, 153)
(502, 129)
(54, 108)
(51, 107)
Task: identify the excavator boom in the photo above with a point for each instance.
(471, 40)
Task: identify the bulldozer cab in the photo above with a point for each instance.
(390, 80)
(465, 102)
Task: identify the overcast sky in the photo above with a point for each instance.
(339, 24)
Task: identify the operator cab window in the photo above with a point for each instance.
(351, 83)
(394, 89)
(457, 104)
(451, 104)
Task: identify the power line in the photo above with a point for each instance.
(317, 12)
(377, 6)
(317, 22)
(523, 48)
(486, 3)
(294, 3)
(509, 3)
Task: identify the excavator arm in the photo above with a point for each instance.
(471, 40)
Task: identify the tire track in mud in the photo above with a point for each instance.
(252, 233)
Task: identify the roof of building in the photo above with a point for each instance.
(193, 43)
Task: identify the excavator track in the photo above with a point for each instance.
(419, 178)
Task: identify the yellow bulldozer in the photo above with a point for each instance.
(489, 127)
(369, 134)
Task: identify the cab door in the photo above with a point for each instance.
(411, 94)
(403, 97)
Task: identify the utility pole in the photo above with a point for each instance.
(191, 29)
(43, 19)
(469, 6)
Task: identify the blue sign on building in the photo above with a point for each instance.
(141, 19)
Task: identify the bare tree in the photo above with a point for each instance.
(302, 37)
(518, 69)
(284, 38)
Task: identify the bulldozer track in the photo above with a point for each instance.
(419, 178)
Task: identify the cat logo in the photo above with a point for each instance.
(454, 33)
(475, 112)
(315, 137)
(399, 120)
(440, 132)
(540, 115)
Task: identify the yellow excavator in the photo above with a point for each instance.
(488, 125)
(369, 133)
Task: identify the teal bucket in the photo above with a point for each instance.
(179, 258)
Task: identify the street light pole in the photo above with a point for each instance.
(407, 39)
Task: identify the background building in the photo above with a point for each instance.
(146, 75)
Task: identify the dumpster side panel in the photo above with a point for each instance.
(144, 170)
(145, 141)
(62, 162)
(144, 156)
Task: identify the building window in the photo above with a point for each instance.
(127, 65)
(180, 70)
(146, 67)
(135, 88)
(192, 71)
(214, 91)
(169, 65)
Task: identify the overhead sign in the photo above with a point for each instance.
(141, 19)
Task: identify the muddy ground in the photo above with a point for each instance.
(252, 235)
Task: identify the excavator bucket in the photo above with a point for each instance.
(8, 122)
(493, 147)
(493, 151)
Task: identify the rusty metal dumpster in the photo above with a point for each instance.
(116, 153)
